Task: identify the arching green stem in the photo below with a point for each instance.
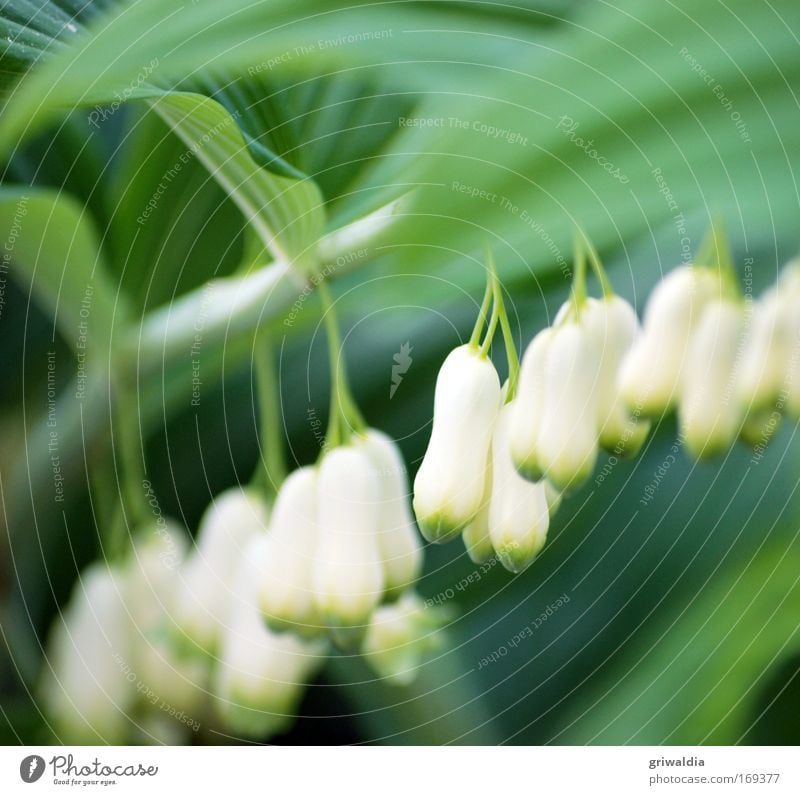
(508, 338)
(273, 472)
(125, 430)
(715, 253)
(597, 267)
(344, 414)
(479, 323)
(491, 279)
(579, 279)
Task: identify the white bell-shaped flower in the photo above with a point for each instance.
(613, 328)
(759, 428)
(232, 519)
(651, 374)
(348, 570)
(554, 498)
(518, 514)
(169, 680)
(260, 675)
(399, 636)
(476, 536)
(287, 583)
(789, 287)
(89, 680)
(709, 413)
(448, 489)
(398, 541)
(762, 373)
(568, 433)
(526, 419)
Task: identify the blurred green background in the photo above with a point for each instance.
(681, 624)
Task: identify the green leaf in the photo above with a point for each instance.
(698, 678)
(286, 213)
(52, 250)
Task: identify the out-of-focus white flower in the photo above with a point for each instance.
(789, 286)
(766, 352)
(518, 515)
(449, 485)
(88, 690)
(613, 328)
(709, 412)
(348, 570)
(527, 417)
(476, 536)
(167, 678)
(202, 604)
(287, 590)
(260, 675)
(651, 374)
(399, 636)
(568, 431)
(553, 497)
(398, 541)
(758, 429)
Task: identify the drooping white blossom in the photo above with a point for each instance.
(613, 328)
(526, 419)
(287, 582)
(89, 679)
(230, 522)
(399, 637)
(398, 540)
(709, 412)
(169, 679)
(568, 436)
(651, 374)
(449, 485)
(260, 675)
(476, 536)
(348, 569)
(518, 513)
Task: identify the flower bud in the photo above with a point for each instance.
(449, 485)
(651, 373)
(568, 432)
(232, 519)
(398, 541)
(790, 323)
(260, 675)
(763, 367)
(553, 497)
(527, 417)
(613, 328)
(89, 686)
(164, 673)
(287, 588)
(348, 570)
(476, 534)
(758, 429)
(399, 636)
(518, 516)
(709, 414)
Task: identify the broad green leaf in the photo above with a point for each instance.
(286, 213)
(52, 250)
(699, 678)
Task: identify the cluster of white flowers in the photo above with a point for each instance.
(500, 459)
(342, 541)
(729, 365)
(228, 632)
(170, 639)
